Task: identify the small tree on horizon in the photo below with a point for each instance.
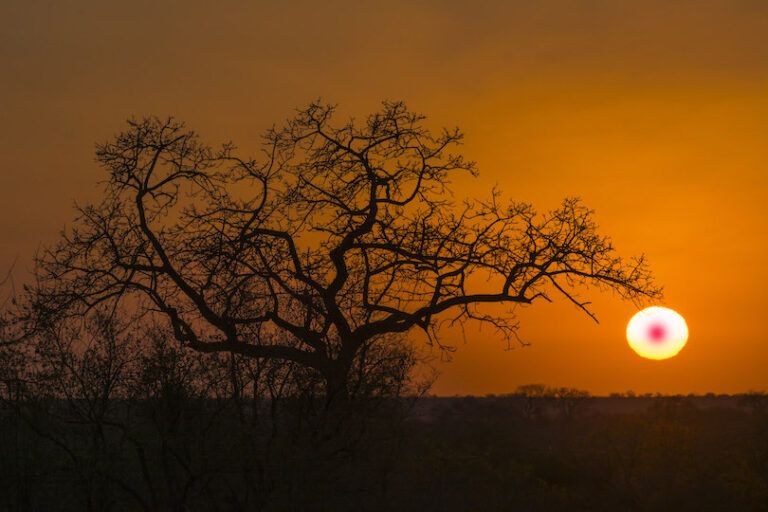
(339, 238)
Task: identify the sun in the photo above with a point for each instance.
(657, 333)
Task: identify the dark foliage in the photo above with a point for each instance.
(108, 416)
(175, 450)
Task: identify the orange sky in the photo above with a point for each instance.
(655, 112)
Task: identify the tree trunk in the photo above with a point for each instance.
(336, 384)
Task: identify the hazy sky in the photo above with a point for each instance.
(654, 112)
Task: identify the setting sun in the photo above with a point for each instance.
(657, 333)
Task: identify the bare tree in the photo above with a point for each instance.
(534, 399)
(339, 237)
(570, 401)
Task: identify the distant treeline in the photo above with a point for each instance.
(549, 451)
(540, 400)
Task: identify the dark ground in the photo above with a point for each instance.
(446, 454)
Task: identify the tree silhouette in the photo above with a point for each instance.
(339, 238)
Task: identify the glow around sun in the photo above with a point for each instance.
(657, 333)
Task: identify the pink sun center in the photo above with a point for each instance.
(657, 333)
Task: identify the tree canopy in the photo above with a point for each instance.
(338, 236)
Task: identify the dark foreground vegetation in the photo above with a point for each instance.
(619, 453)
(169, 444)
